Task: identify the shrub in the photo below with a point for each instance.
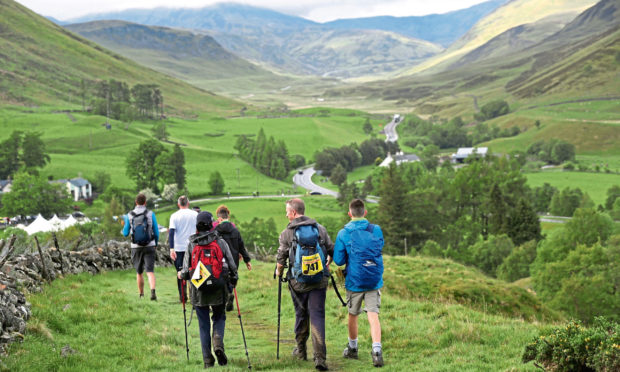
(577, 348)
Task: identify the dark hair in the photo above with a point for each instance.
(222, 211)
(141, 199)
(356, 207)
(297, 205)
(183, 201)
(201, 226)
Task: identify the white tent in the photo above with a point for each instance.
(40, 224)
(57, 223)
(69, 222)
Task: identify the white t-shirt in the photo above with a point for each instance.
(183, 222)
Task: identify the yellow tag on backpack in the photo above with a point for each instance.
(311, 265)
(200, 275)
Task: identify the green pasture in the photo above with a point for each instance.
(595, 184)
(102, 319)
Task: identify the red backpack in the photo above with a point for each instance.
(211, 257)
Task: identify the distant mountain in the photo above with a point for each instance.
(513, 14)
(442, 29)
(284, 43)
(42, 63)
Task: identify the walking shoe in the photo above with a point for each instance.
(209, 361)
(350, 353)
(141, 295)
(153, 295)
(229, 303)
(377, 358)
(221, 357)
(300, 353)
(320, 364)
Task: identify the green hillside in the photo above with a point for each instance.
(427, 330)
(44, 64)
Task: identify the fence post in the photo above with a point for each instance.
(405, 246)
(9, 250)
(62, 271)
(42, 260)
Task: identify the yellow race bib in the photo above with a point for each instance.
(311, 265)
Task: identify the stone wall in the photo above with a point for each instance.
(25, 274)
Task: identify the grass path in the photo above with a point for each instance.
(102, 319)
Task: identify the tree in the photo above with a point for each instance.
(562, 151)
(34, 151)
(487, 255)
(392, 212)
(160, 132)
(613, 193)
(517, 264)
(178, 158)
(216, 182)
(338, 176)
(523, 224)
(9, 154)
(31, 195)
(565, 202)
(367, 126)
(140, 164)
(100, 181)
(492, 110)
(542, 197)
(111, 226)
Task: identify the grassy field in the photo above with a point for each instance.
(109, 327)
(595, 184)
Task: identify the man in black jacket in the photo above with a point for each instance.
(229, 232)
(208, 298)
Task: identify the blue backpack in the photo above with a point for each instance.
(308, 261)
(140, 232)
(365, 265)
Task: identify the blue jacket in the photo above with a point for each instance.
(343, 247)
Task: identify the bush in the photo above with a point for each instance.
(577, 348)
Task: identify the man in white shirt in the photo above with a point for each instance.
(182, 225)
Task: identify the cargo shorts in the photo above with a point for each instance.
(372, 301)
(143, 258)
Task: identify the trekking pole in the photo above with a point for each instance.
(242, 332)
(279, 304)
(185, 319)
(337, 292)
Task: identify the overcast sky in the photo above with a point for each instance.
(316, 10)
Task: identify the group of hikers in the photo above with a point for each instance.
(206, 254)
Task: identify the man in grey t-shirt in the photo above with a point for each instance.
(182, 225)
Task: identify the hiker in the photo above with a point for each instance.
(307, 291)
(359, 246)
(229, 232)
(142, 225)
(182, 225)
(210, 266)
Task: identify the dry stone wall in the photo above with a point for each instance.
(25, 274)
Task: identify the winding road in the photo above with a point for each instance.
(305, 180)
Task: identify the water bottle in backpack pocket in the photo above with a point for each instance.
(141, 234)
(207, 266)
(365, 266)
(309, 256)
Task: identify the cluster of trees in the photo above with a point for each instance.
(116, 99)
(267, 155)
(451, 134)
(492, 110)
(351, 156)
(22, 150)
(554, 151)
(32, 194)
(153, 166)
(455, 209)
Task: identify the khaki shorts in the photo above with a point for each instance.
(372, 301)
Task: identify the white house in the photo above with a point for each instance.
(465, 152)
(5, 186)
(399, 158)
(78, 187)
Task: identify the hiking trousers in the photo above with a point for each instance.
(310, 318)
(178, 263)
(204, 324)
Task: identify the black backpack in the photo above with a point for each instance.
(140, 232)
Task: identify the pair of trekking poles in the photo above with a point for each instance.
(238, 314)
(282, 279)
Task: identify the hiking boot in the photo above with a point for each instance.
(320, 364)
(209, 361)
(153, 295)
(300, 353)
(229, 303)
(350, 353)
(221, 357)
(377, 358)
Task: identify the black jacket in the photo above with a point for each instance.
(217, 296)
(234, 240)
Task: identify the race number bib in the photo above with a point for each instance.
(311, 265)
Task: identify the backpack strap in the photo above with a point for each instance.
(370, 228)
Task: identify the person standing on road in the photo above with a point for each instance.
(229, 232)
(308, 298)
(182, 226)
(142, 225)
(359, 245)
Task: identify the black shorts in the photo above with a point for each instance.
(143, 258)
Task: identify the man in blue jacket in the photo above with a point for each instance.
(359, 245)
(142, 248)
